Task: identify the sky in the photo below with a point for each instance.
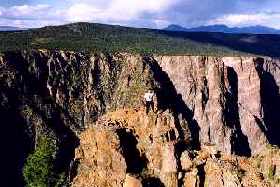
(140, 13)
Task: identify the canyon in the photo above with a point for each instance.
(216, 119)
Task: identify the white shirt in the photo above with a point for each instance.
(149, 96)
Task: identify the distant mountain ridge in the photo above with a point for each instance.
(9, 28)
(258, 29)
(84, 37)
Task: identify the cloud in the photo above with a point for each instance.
(25, 11)
(82, 12)
(140, 13)
(117, 11)
(124, 12)
(28, 16)
(192, 13)
(265, 19)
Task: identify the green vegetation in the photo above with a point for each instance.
(39, 167)
(271, 172)
(99, 37)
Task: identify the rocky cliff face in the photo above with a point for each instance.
(230, 99)
(129, 148)
(228, 104)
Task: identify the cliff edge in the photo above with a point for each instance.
(81, 101)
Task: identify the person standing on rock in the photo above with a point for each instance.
(149, 100)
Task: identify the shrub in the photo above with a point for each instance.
(38, 169)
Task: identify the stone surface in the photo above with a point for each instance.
(186, 161)
(227, 98)
(191, 179)
(100, 160)
(157, 160)
(206, 106)
(132, 182)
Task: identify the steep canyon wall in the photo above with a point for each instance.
(230, 103)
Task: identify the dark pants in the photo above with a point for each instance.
(149, 104)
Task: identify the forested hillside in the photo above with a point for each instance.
(108, 38)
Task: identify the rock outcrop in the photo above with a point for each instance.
(100, 160)
(144, 150)
(228, 98)
(229, 103)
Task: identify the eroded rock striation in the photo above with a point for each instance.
(209, 111)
